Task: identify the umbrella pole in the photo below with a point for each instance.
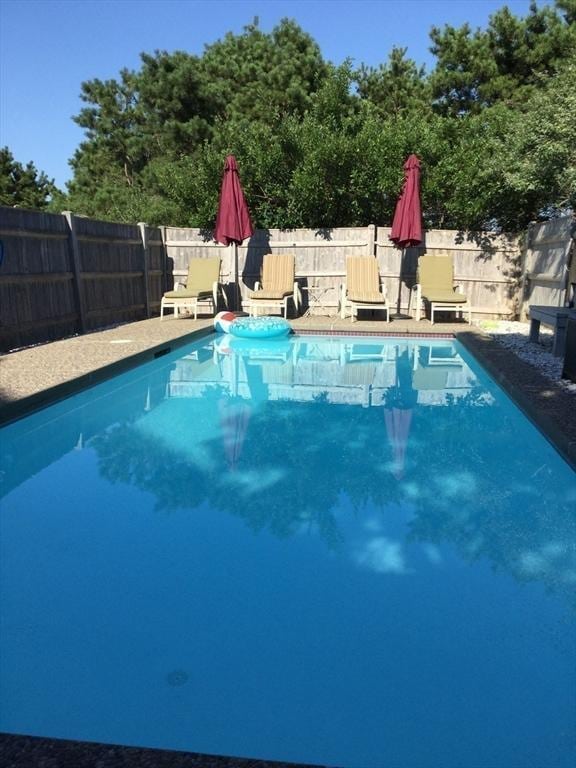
(236, 289)
(401, 271)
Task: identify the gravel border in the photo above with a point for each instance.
(515, 337)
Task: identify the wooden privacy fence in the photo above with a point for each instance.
(488, 268)
(65, 274)
(549, 268)
(320, 255)
(62, 275)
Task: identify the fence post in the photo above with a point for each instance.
(146, 257)
(526, 257)
(520, 295)
(371, 247)
(76, 269)
(164, 259)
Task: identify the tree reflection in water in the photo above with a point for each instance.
(495, 498)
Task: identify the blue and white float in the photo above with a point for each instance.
(259, 327)
(226, 344)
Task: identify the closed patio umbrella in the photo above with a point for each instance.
(407, 223)
(233, 224)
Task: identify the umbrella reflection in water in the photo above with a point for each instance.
(236, 412)
(234, 419)
(400, 401)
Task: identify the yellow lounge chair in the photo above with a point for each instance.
(277, 286)
(202, 287)
(436, 286)
(362, 289)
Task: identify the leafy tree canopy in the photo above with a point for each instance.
(503, 63)
(256, 75)
(322, 146)
(542, 146)
(395, 88)
(23, 186)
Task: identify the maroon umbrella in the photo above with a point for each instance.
(233, 223)
(407, 223)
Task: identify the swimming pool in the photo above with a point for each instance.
(348, 551)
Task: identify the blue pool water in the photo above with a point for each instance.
(353, 552)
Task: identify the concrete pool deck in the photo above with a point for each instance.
(33, 377)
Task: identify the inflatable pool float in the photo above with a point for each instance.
(277, 345)
(259, 327)
(234, 345)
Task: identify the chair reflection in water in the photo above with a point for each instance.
(435, 366)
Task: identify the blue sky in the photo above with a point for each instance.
(49, 47)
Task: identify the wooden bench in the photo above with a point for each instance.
(554, 317)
